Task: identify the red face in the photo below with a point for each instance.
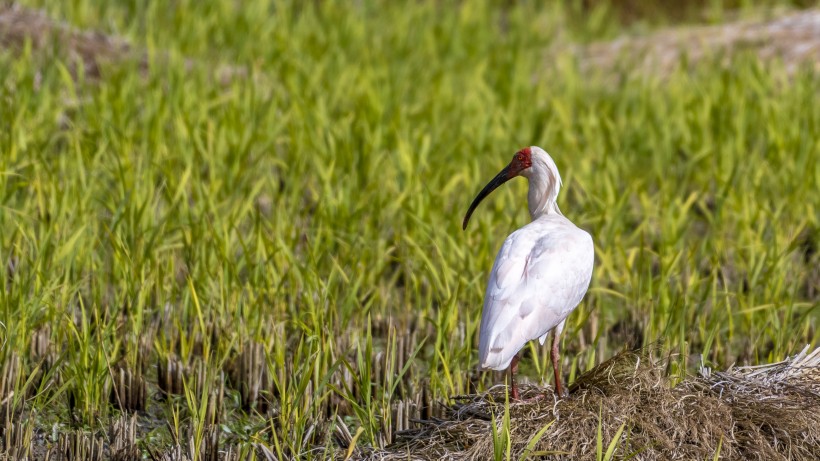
(520, 162)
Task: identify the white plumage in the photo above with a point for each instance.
(539, 277)
(541, 272)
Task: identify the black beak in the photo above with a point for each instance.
(502, 177)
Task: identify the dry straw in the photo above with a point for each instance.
(768, 412)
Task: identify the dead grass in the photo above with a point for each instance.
(769, 412)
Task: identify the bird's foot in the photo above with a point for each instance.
(536, 398)
(558, 394)
(516, 395)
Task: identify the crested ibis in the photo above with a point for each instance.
(540, 274)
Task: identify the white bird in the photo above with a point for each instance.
(540, 274)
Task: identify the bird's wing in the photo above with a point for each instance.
(540, 275)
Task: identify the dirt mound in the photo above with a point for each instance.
(19, 25)
(89, 50)
(794, 39)
(767, 412)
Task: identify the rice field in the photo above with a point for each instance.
(238, 236)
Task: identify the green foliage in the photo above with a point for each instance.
(322, 185)
(600, 455)
(501, 432)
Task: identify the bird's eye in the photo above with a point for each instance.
(520, 157)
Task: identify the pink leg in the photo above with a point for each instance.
(513, 371)
(555, 356)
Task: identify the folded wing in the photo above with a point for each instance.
(540, 275)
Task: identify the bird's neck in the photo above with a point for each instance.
(542, 196)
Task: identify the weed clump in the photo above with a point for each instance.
(630, 404)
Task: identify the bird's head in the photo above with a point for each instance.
(521, 165)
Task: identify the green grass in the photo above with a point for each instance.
(313, 205)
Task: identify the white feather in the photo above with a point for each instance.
(540, 274)
(539, 277)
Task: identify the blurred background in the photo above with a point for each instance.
(234, 226)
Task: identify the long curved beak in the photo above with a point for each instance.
(502, 177)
